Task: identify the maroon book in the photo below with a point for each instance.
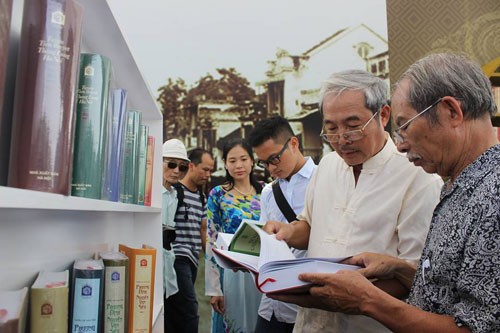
(47, 73)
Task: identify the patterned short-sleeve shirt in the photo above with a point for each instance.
(459, 271)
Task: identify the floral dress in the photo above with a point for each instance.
(225, 212)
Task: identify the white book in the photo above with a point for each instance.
(271, 261)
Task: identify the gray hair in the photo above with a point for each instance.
(447, 74)
(374, 88)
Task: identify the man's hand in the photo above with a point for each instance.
(283, 231)
(217, 303)
(344, 291)
(295, 234)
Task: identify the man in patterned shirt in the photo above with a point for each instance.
(442, 104)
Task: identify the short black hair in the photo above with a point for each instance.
(276, 128)
(196, 154)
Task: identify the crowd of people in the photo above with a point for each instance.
(418, 210)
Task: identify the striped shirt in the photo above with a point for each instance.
(187, 226)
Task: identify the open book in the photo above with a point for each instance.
(271, 261)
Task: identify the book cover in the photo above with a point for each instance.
(116, 289)
(148, 187)
(128, 167)
(90, 127)
(49, 302)
(13, 310)
(272, 263)
(43, 118)
(141, 163)
(142, 281)
(87, 296)
(116, 116)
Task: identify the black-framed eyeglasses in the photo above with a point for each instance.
(172, 165)
(398, 132)
(274, 160)
(354, 135)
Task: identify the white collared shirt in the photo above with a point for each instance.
(294, 192)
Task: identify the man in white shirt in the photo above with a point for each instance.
(364, 196)
(277, 150)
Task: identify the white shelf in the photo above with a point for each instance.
(46, 231)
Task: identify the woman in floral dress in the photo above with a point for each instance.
(234, 297)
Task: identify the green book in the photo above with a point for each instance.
(90, 127)
(141, 164)
(246, 239)
(128, 167)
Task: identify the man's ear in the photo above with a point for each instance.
(452, 110)
(294, 142)
(385, 115)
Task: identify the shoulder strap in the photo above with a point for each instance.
(283, 205)
(180, 194)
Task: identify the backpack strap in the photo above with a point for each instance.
(283, 204)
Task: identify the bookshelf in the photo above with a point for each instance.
(45, 231)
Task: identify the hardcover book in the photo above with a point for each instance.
(13, 310)
(114, 140)
(148, 187)
(128, 167)
(141, 163)
(87, 296)
(142, 281)
(49, 302)
(90, 128)
(116, 291)
(43, 117)
(271, 262)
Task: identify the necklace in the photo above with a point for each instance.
(244, 193)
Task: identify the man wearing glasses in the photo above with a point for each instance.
(364, 196)
(277, 149)
(175, 165)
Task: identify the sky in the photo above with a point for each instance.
(189, 38)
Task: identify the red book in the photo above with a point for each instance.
(43, 118)
(149, 171)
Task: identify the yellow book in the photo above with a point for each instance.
(142, 263)
(49, 302)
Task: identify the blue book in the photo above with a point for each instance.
(116, 122)
(87, 296)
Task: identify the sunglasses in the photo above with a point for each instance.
(173, 165)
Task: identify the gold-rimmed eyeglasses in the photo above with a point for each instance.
(398, 132)
(354, 135)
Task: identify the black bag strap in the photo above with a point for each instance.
(283, 204)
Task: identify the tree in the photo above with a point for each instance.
(171, 98)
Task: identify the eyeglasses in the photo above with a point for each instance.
(275, 159)
(398, 132)
(349, 135)
(173, 165)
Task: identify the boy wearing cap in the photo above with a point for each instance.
(175, 165)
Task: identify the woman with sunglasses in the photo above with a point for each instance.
(235, 300)
(175, 165)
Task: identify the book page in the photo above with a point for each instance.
(234, 260)
(271, 249)
(245, 239)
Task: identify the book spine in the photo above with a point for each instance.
(114, 145)
(141, 163)
(142, 269)
(49, 310)
(130, 145)
(90, 128)
(87, 301)
(116, 291)
(43, 121)
(5, 18)
(149, 171)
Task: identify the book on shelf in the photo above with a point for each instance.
(270, 261)
(90, 128)
(141, 163)
(116, 116)
(142, 267)
(43, 117)
(116, 289)
(13, 310)
(49, 302)
(128, 166)
(148, 186)
(87, 296)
